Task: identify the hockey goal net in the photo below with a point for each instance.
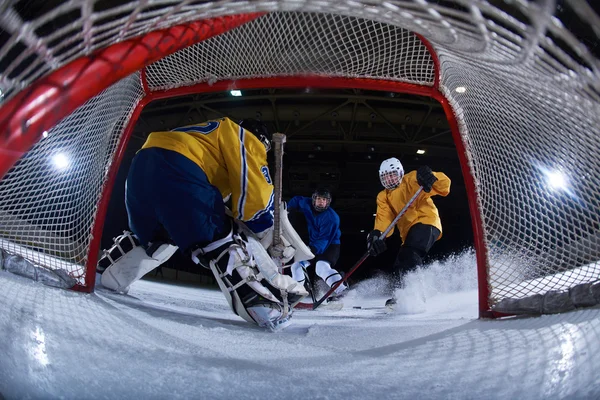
(519, 88)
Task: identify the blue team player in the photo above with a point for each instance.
(324, 237)
(175, 193)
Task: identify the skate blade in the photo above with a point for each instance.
(268, 319)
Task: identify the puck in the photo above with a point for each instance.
(357, 307)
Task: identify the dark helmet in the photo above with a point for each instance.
(258, 129)
(323, 193)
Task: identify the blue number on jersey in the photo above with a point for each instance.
(265, 171)
(204, 128)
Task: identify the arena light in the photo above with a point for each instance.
(556, 180)
(236, 93)
(420, 151)
(60, 161)
(460, 89)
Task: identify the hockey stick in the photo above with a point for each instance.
(311, 283)
(366, 255)
(277, 249)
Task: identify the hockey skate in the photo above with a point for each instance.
(341, 290)
(338, 294)
(391, 303)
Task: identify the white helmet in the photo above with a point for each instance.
(391, 173)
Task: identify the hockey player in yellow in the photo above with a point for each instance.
(420, 226)
(175, 193)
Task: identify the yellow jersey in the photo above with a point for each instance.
(390, 202)
(234, 161)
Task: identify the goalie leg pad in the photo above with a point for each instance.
(131, 262)
(267, 268)
(258, 294)
(249, 305)
(289, 233)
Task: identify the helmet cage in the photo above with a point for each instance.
(325, 196)
(259, 130)
(263, 139)
(390, 179)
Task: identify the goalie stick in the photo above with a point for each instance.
(277, 251)
(366, 255)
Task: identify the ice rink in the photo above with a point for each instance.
(173, 341)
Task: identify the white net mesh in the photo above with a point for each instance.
(291, 44)
(520, 146)
(525, 92)
(49, 199)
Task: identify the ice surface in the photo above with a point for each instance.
(174, 341)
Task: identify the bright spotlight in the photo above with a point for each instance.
(461, 89)
(236, 93)
(60, 160)
(420, 151)
(556, 180)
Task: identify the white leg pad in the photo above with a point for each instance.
(270, 272)
(133, 265)
(287, 230)
(269, 314)
(231, 296)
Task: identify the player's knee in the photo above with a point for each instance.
(410, 258)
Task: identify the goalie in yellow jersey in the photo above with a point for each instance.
(175, 193)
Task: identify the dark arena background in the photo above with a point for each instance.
(336, 139)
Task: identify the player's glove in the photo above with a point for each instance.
(375, 243)
(426, 178)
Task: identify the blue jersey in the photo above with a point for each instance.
(323, 227)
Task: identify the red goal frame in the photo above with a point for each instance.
(47, 101)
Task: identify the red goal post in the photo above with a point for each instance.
(89, 105)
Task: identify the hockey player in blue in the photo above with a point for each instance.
(175, 195)
(324, 237)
